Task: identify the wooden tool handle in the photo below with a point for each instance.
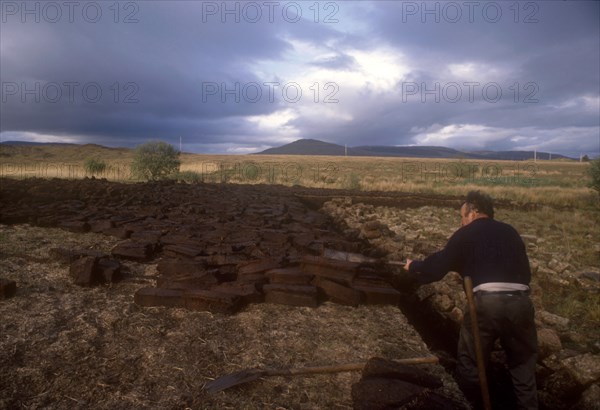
(348, 367)
(485, 394)
(397, 263)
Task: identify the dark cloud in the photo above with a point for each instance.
(181, 71)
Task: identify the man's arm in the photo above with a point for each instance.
(437, 265)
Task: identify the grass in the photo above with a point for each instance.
(555, 183)
(579, 305)
(568, 236)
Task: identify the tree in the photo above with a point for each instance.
(594, 172)
(94, 166)
(155, 160)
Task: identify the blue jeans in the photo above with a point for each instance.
(510, 318)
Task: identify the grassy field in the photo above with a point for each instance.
(555, 183)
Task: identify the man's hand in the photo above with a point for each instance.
(407, 265)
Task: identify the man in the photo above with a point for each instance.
(493, 254)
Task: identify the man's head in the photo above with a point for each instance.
(476, 205)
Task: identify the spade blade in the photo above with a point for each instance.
(233, 379)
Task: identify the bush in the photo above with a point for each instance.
(154, 161)
(94, 166)
(594, 172)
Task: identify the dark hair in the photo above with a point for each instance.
(481, 202)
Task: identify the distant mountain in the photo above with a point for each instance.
(316, 147)
(56, 151)
(306, 147)
(418, 152)
(35, 143)
(518, 155)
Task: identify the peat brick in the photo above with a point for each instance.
(379, 295)
(303, 240)
(225, 273)
(289, 276)
(226, 259)
(218, 249)
(75, 226)
(380, 393)
(46, 221)
(178, 239)
(183, 250)
(338, 293)
(8, 288)
(136, 251)
(212, 301)
(120, 220)
(101, 225)
(377, 367)
(256, 266)
(247, 292)
(370, 279)
(159, 297)
(337, 271)
(293, 295)
(118, 232)
(274, 237)
(180, 267)
(203, 280)
(146, 236)
(109, 270)
(84, 271)
(258, 279)
(14, 216)
(430, 399)
(241, 236)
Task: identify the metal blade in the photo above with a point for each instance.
(233, 379)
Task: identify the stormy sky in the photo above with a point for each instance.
(240, 77)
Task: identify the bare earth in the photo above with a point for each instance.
(65, 346)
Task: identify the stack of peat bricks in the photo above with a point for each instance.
(217, 246)
(220, 283)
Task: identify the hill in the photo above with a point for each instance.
(316, 147)
(31, 152)
(32, 143)
(420, 152)
(306, 147)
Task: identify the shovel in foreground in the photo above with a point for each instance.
(248, 375)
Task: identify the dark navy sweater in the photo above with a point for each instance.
(486, 250)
